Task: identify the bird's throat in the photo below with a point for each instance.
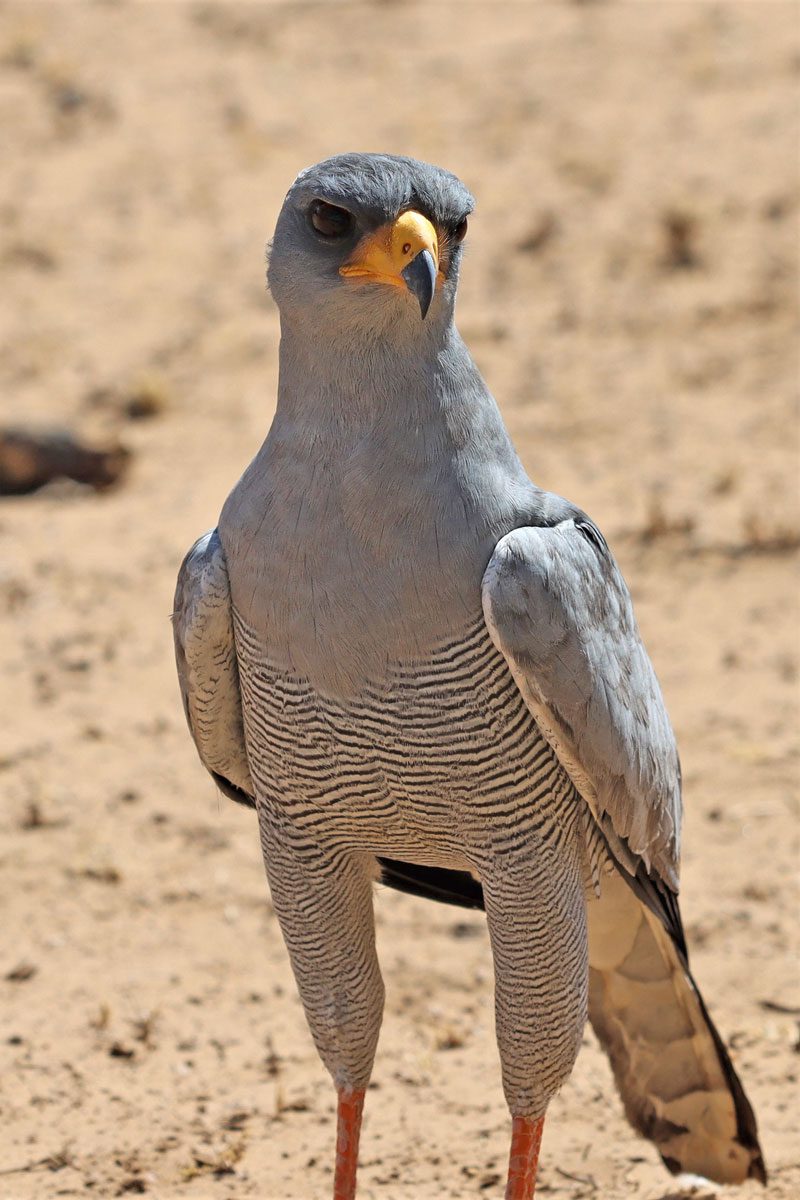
(354, 382)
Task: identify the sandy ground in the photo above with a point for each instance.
(630, 293)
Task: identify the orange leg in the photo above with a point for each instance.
(348, 1129)
(526, 1138)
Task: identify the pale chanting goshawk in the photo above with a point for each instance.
(422, 669)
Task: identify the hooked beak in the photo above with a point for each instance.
(420, 277)
(402, 254)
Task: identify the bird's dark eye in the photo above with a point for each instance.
(330, 220)
(460, 231)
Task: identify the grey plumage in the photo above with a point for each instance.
(559, 611)
(403, 652)
(208, 673)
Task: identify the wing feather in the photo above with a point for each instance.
(557, 608)
(208, 673)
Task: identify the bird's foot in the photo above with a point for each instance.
(348, 1130)
(526, 1138)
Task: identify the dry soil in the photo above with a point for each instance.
(630, 292)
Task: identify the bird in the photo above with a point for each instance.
(424, 671)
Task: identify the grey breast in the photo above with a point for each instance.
(438, 760)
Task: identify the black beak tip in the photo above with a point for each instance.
(420, 276)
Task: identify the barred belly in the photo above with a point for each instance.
(438, 762)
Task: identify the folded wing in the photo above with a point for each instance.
(208, 673)
(558, 609)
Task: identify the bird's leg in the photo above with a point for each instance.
(323, 902)
(526, 1138)
(537, 924)
(348, 1130)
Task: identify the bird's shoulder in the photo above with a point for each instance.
(558, 609)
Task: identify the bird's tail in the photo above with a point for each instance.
(676, 1080)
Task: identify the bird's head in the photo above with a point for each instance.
(369, 243)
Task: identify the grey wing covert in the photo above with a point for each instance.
(208, 673)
